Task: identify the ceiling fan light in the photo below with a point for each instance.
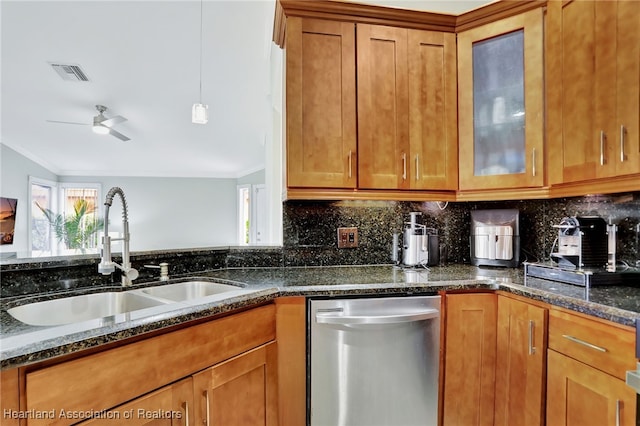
(200, 114)
(100, 129)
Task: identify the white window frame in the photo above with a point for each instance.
(66, 185)
(57, 203)
(255, 207)
(241, 214)
(33, 180)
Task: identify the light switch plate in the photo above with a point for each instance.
(347, 237)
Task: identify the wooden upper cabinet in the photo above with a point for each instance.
(501, 106)
(383, 107)
(593, 89)
(395, 129)
(433, 110)
(321, 104)
(627, 158)
(407, 135)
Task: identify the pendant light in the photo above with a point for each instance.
(199, 111)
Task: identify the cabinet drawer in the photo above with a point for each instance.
(606, 346)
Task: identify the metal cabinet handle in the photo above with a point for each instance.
(622, 155)
(533, 162)
(207, 420)
(417, 166)
(618, 412)
(350, 165)
(582, 342)
(532, 325)
(186, 413)
(404, 166)
(602, 136)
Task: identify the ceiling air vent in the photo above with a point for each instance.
(70, 72)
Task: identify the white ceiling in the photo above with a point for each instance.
(142, 59)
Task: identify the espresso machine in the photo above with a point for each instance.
(420, 245)
(584, 254)
(583, 242)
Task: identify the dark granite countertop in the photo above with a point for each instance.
(21, 344)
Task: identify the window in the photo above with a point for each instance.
(244, 214)
(251, 219)
(63, 216)
(42, 194)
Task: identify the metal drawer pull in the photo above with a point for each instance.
(622, 156)
(208, 415)
(602, 147)
(418, 167)
(404, 166)
(350, 167)
(533, 162)
(532, 325)
(186, 413)
(582, 342)
(618, 412)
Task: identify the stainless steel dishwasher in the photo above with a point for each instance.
(374, 361)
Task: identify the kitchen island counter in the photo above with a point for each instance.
(22, 345)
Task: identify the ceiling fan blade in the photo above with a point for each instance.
(118, 135)
(109, 122)
(67, 122)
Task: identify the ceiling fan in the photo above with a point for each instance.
(101, 124)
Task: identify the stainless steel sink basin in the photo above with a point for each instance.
(74, 309)
(189, 290)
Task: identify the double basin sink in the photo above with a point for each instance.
(86, 307)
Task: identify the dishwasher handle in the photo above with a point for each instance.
(331, 318)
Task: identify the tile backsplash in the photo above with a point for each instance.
(310, 228)
(310, 239)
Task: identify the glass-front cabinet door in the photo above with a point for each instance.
(500, 77)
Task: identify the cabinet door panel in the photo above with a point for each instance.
(240, 391)
(593, 95)
(580, 395)
(383, 112)
(500, 120)
(627, 153)
(432, 110)
(470, 359)
(168, 406)
(572, 84)
(521, 358)
(321, 105)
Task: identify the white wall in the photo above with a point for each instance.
(274, 149)
(173, 213)
(164, 213)
(252, 179)
(14, 180)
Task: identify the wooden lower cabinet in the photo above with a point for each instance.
(470, 359)
(586, 364)
(521, 360)
(291, 335)
(235, 356)
(168, 406)
(240, 391)
(581, 395)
